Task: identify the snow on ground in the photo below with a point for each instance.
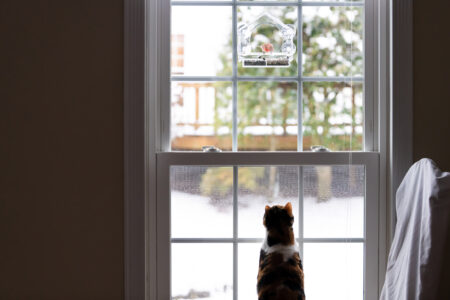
(203, 267)
(332, 271)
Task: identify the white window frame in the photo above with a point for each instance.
(147, 79)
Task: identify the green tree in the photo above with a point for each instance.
(342, 28)
(332, 46)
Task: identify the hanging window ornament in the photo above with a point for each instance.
(266, 42)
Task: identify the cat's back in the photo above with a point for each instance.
(280, 275)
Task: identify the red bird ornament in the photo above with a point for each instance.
(267, 48)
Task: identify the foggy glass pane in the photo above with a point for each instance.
(261, 186)
(333, 115)
(202, 271)
(333, 201)
(248, 254)
(201, 201)
(201, 115)
(333, 41)
(334, 271)
(201, 41)
(267, 116)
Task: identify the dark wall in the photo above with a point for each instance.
(61, 157)
(432, 81)
(432, 96)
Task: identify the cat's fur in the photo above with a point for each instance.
(280, 274)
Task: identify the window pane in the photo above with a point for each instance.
(267, 116)
(332, 41)
(333, 115)
(201, 40)
(201, 201)
(343, 276)
(203, 271)
(201, 115)
(333, 201)
(333, 0)
(268, 34)
(334, 271)
(248, 259)
(261, 186)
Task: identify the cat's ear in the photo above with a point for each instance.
(288, 207)
(267, 208)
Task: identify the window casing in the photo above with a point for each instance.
(369, 158)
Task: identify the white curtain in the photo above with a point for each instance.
(416, 265)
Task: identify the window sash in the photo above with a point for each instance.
(370, 160)
(370, 70)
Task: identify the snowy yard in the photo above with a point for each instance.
(205, 271)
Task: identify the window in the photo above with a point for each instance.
(266, 120)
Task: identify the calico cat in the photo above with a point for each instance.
(280, 274)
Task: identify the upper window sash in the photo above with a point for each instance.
(370, 113)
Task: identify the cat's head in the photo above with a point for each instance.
(278, 216)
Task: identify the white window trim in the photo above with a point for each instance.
(143, 76)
